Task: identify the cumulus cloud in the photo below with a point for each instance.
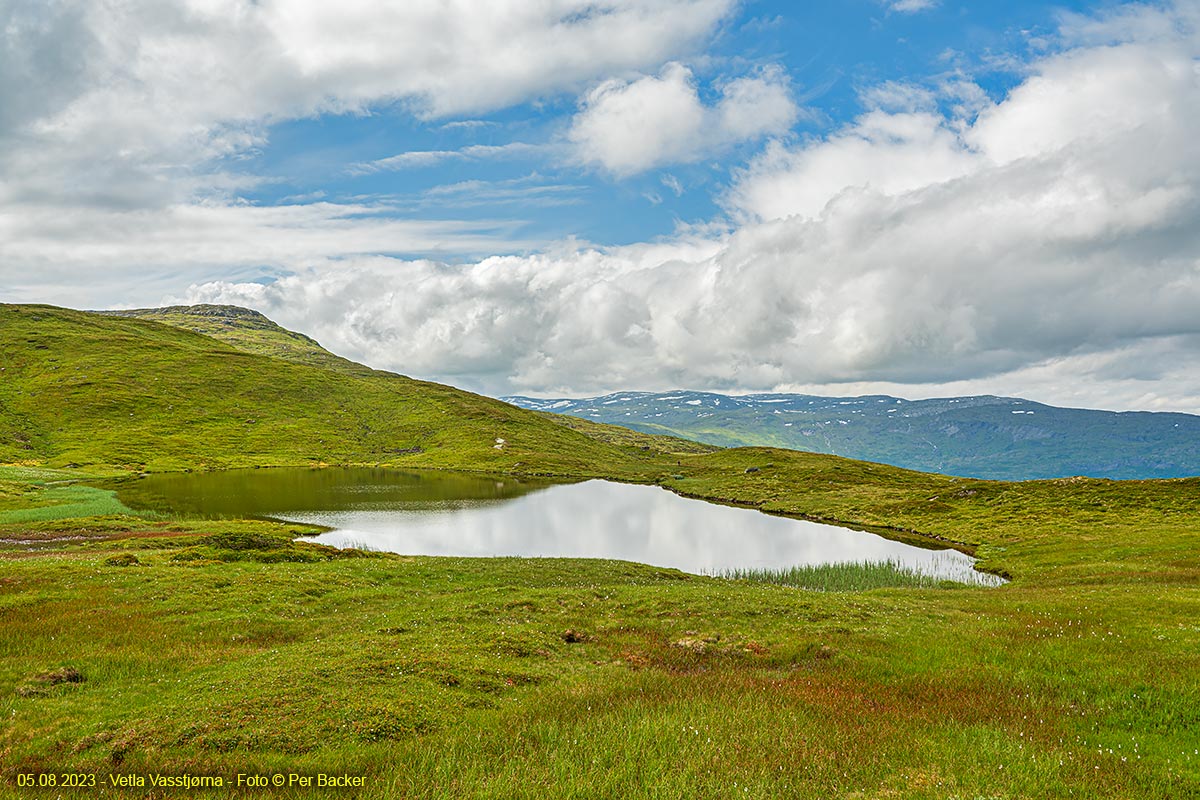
(628, 127)
(1042, 243)
(1050, 237)
(134, 102)
(885, 152)
(122, 121)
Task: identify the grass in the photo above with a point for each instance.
(455, 677)
(248, 331)
(219, 646)
(844, 577)
(29, 494)
(66, 502)
(227, 647)
(86, 390)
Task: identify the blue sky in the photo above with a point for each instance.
(913, 197)
(831, 52)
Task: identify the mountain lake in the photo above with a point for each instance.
(436, 513)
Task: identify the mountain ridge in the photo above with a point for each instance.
(979, 436)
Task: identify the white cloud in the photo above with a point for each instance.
(529, 190)
(130, 102)
(899, 96)
(911, 6)
(1049, 241)
(145, 253)
(629, 127)
(888, 153)
(430, 158)
(121, 121)
(1149, 23)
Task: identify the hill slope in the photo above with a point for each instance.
(983, 437)
(247, 330)
(79, 388)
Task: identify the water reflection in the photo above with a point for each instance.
(443, 514)
(266, 492)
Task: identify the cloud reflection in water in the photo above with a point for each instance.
(599, 519)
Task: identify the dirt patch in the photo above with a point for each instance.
(41, 683)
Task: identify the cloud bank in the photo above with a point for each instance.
(943, 241)
(1051, 236)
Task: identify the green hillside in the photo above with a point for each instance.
(159, 643)
(246, 330)
(83, 389)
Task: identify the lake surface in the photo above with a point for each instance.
(448, 514)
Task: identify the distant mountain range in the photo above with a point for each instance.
(1001, 438)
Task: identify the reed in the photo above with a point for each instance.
(849, 576)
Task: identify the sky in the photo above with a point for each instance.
(564, 198)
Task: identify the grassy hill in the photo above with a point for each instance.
(997, 438)
(81, 389)
(246, 330)
(142, 644)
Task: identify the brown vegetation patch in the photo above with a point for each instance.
(39, 684)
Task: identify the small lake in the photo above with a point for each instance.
(447, 514)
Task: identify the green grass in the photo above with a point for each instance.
(843, 577)
(95, 391)
(66, 502)
(454, 677)
(225, 646)
(248, 331)
(29, 494)
(228, 647)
